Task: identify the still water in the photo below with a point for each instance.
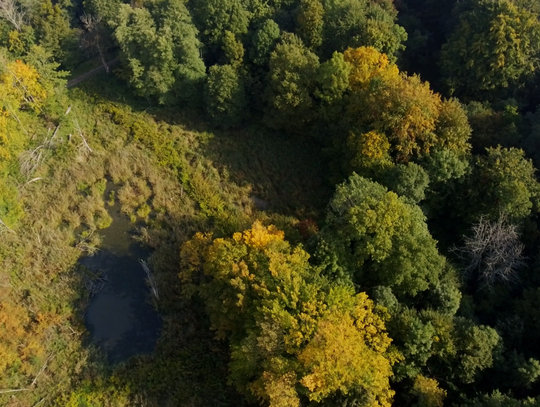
(120, 317)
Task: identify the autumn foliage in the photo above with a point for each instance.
(291, 335)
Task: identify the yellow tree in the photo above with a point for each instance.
(403, 109)
(428, 392)
(347, 351)
(287, 330)
(367, 64)
(21, 96)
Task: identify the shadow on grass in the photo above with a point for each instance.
(289, 173)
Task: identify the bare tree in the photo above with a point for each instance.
(94, 35)
(493, 253)
(13, 13)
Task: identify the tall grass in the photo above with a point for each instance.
(172, 180)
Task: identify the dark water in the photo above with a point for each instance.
(120, 317)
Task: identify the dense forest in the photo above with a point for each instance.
(339, 198)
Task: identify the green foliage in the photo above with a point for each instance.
(263, 42)
(332, 79)
(414, 338)
(494, 45)
(408, 181)
(443, 165)
(497, 399)
(356, 23)
(494, 125)
(503, 183)
(310, 23)
(445, 296)
(160, 50)
(381, 239)
(225, 96)
(291, 83)
(233, 49)
(520, 372)
(476, 345)
(448, 171)
(453, 129)
(54, 31)
(452, 348)
(107, 9)
(215, 17)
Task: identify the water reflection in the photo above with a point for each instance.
(119, 317)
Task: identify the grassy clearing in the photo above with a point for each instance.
(173, 179)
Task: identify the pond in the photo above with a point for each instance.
(120, 317)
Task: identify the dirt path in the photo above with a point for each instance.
(89, 74)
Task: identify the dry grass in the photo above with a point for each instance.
(176, 181)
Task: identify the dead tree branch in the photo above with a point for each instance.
(493, 253)
(3, 227)
(94, 36)
(12, 13)
(12, 390)
(84, 147)
(41, 371)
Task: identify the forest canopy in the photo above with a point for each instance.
(338, 200)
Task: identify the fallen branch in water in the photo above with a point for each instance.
(97, 283)
(150, 279)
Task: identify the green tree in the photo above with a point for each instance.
(380, 239)
(54, 31)
(225, 98)
(497, 399)
(503, 183)
(414, 338)
(453, 129)
(310, 23)
(495, 44)
(475, 346)
(332, 79)
(215, 17)
(233, 50)
(263, 42)
(160, 51)
(106, 9)
(494, 125)
(291, 83)
(176, 26)
(409, 181)
(356, 23)
(147, 56)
